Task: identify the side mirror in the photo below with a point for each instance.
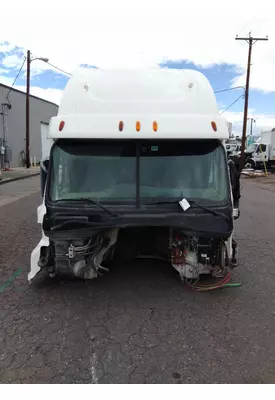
(44, 165)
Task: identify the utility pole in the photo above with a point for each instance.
(250, 40)
(251, 124)
(29, 60)
(28, 164)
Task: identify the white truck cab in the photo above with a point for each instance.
(262, 152)
(137, 168)
(233, 149)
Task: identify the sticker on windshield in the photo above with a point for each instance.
(154, 148)
(184, 204)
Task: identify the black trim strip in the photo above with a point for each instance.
(138, 174)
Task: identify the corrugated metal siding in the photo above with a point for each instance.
(39, 111)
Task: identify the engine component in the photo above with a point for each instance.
(192, 256)
(83, 258)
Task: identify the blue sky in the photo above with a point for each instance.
(220, 76)
(120, 34)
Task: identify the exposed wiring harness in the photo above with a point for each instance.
(223, 283)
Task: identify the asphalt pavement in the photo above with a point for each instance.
(138, 323)
(16, 174)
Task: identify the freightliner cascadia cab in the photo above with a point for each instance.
(137, 168)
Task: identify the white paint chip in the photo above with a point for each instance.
(93, 369)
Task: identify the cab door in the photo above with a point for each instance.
(261, 153)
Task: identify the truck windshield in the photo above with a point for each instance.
(251, 148)
(113, 171)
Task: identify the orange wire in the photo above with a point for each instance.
(215, 284)
(213, 287)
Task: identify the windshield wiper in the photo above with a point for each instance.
(208, 209)
(91, 201)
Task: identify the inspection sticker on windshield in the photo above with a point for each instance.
(184, 204)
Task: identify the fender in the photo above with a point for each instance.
(44, 242)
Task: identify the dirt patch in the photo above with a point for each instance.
(264, 182)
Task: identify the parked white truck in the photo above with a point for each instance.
(262, 151)
(233, 148)
(137, 168)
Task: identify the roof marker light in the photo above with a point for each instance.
(138, 126)
(214, 126)
(155, 126)
(61, 125)
(120, 126)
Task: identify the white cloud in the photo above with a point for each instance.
(6, 47)
(6, 80)
(110, 33)
(52, 95)
(115, 33)
(263, 121)
(11, 61)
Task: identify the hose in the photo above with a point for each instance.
(232, 285)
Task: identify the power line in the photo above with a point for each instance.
(233, 88)
(15, 79)
(59, 69)
(245, 26)
(232, 104)
(46, 61)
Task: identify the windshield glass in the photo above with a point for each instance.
(117, 171)
(251, 148)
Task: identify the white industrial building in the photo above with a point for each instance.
(13, 125)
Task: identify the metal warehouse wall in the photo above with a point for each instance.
(40, 110)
